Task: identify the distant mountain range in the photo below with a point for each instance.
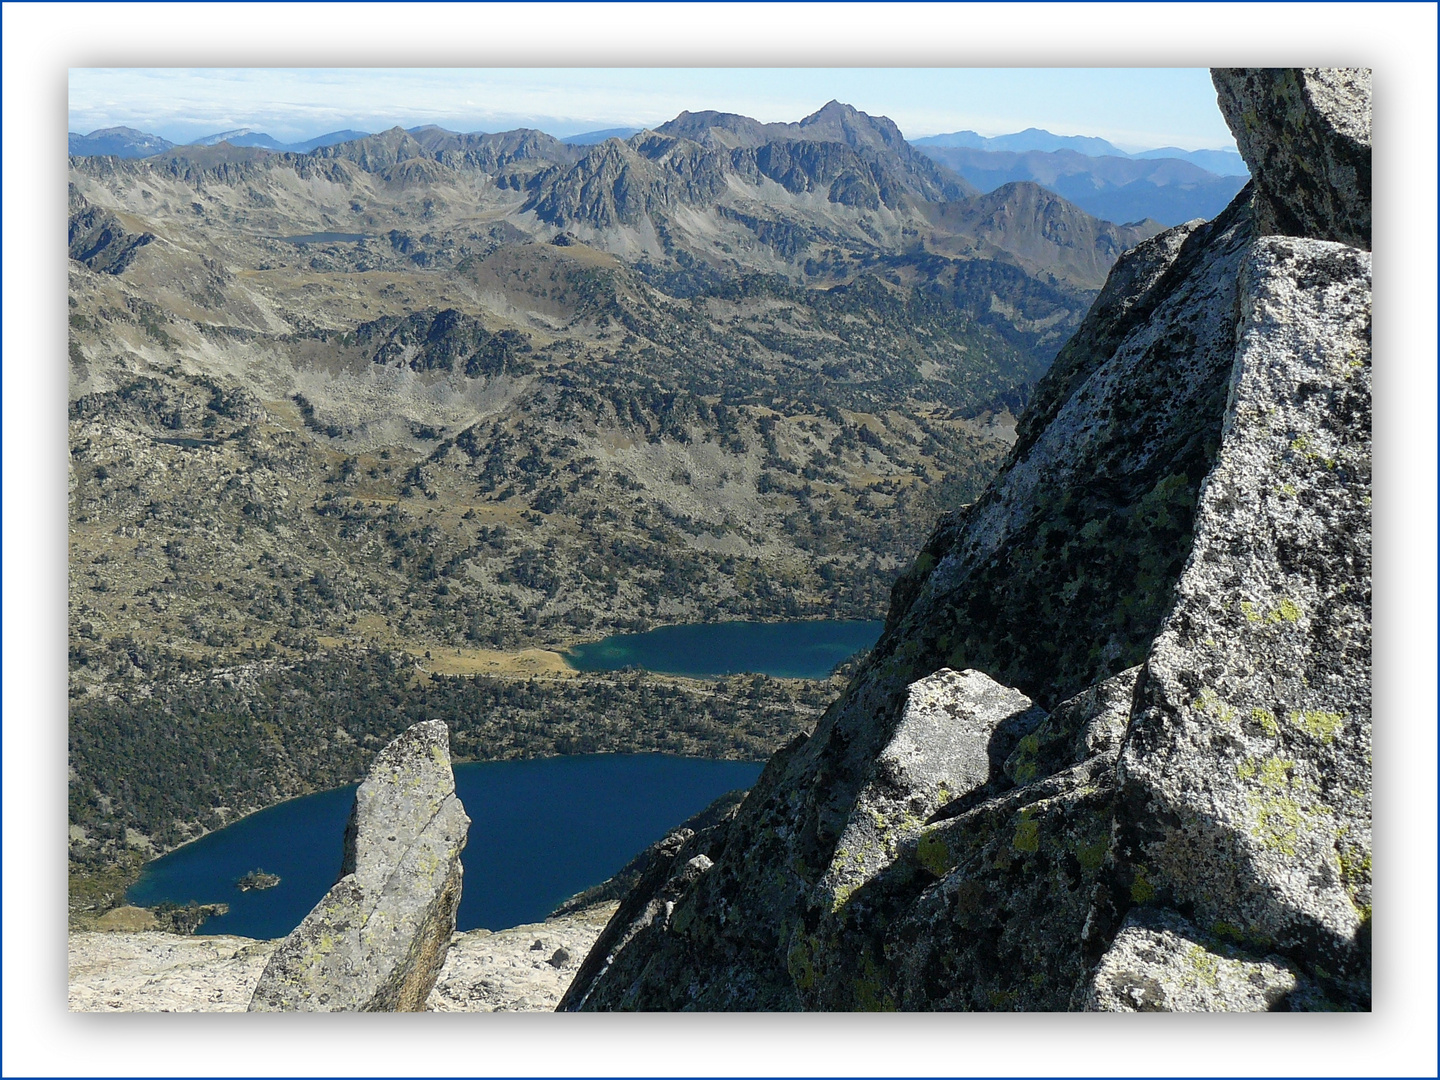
(124, 142)
(1219, 162)
(249, 137)
(822, 199)
(1121, 189)
(1168, 185)
(127, 142)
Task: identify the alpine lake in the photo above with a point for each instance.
(541, 830)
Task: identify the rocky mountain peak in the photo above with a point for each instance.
(729, 130)
(376, 153)
(837, 122)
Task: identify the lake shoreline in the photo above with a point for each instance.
(543, 830)
(642, 681)
(809, 649)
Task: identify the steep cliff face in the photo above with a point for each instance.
(1112, 751)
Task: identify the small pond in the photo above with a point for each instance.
(327, 238)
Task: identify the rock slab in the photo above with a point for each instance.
(378, 939)
(121, 971)
(1246, 793)
(522, 969)
(1161, 963)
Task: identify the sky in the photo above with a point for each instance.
(1135, 108)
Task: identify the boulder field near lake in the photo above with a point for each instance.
(1112, 749)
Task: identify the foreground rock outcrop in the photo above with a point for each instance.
(522, 969)
(1308, 131)
(378, 939)
(1112, 750)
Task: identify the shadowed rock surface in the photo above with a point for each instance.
(1175, 563)
(1305, 133)
(377, 940)
(97, 238)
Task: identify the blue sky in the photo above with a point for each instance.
(1135, 108)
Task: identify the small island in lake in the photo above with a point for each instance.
(257, 879)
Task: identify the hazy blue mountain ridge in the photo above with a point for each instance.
(122, 142)
(590, 138)
(1029, 139)
(1219, 162)
(1118, 189)
(829, 124)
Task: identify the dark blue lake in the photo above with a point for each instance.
(786, 650)
(540, 831)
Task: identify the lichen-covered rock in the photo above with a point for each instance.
(1056, 579)
(1161, 963)
(1091, 723)
(666, 867)
(1305, 133)
(1060, 574)
(956, 729)
(377, 940)
(1002, 928)
(618, 885)
(1246, 796)
(705, 951)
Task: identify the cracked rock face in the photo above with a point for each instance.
(1247, 771)
(378, 939)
